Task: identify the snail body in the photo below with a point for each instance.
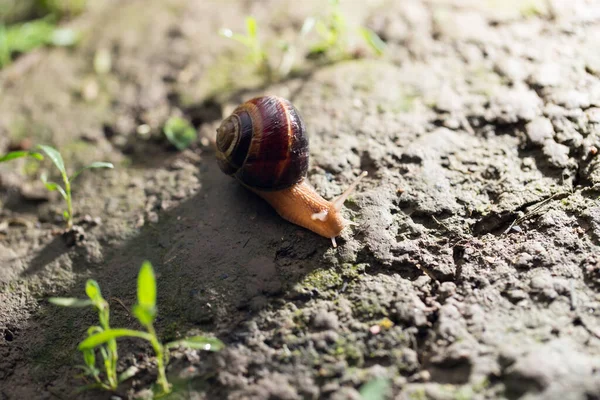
(264, 145)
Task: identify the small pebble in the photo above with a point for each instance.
(539, 130)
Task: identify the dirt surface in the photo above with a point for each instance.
(474, 271)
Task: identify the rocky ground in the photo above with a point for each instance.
(473, 272)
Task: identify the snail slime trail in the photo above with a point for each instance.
(264, 145)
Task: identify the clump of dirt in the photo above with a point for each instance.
(472, 273)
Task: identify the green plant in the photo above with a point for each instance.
(56, 158)
(180, 132)
(334, 32)
(104, 338)
(22, 38)
(258, 55)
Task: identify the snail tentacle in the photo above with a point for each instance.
(339, 202)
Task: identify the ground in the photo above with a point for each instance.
(474, 270)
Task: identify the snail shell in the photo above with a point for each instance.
(264, 144)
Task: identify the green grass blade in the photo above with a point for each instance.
(56, 158)
(89, 357)
(97, 164)
(375, 389)
(145, 309)
(103, 337)
(146, 286)
(52, 186)
(18, 154)
(92, 289)
(251, 27)
(373, 40)
(228, 33)
(198, 342)
(69, 302)
(144, 314)
(29, 35)
(92, 330)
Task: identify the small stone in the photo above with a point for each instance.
(90, 90)
(572, 99)
(516, 295)
(452, 123)
(557, 154)
(325, 320)
(143, 130)
(447, 289)
(593, 115)
(448, 100)
(92, 221)
(513, 105)
(539, 130)
(152, 217)
(512, 68)
(548, 74)
(466, 25)
(375, 329)
(524, 260)
(544, 285)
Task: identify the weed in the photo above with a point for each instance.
(104, 338)
(258, 55)
(334, 33)
(22, 38)
(179, 132)
(56, 158)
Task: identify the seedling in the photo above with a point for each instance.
(334, 32)
(56, 158)
(258, 55)
(179, 132)
(103, 338)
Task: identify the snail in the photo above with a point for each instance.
(264, 145)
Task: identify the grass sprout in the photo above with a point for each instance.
(57, 160)
(102, 339)
(258, 55)
(332, 30)
(334, 33)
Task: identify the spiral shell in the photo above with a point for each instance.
(264, 144)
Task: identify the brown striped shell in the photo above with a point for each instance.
(264, 144)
